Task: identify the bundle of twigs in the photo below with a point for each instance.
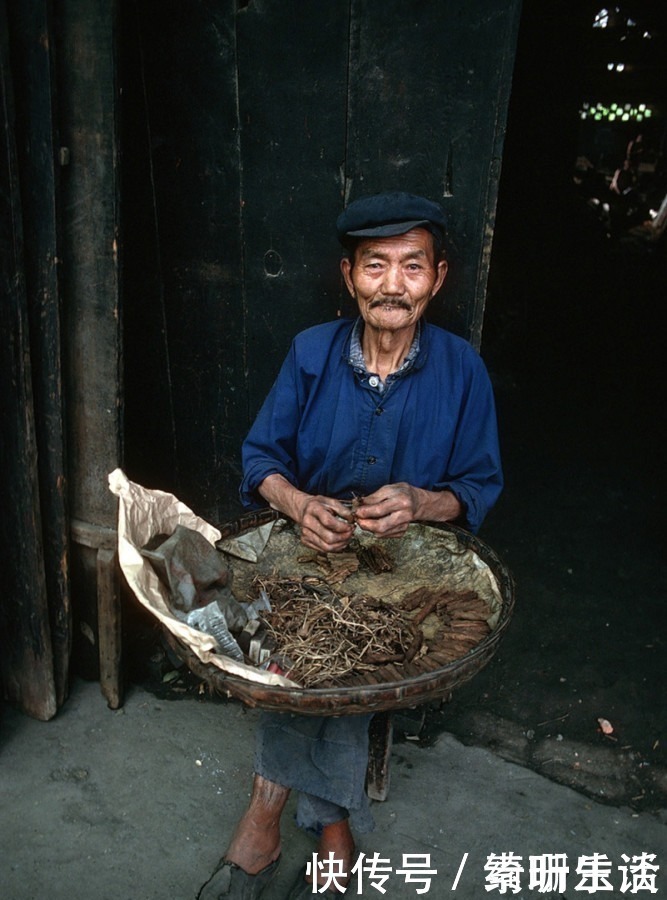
(323, 639)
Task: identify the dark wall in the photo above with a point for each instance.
(246, 131)
(561, 289)
(182, 246)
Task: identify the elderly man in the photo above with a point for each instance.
(394, 411)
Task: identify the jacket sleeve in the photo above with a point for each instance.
(270, 444)
(474, 471)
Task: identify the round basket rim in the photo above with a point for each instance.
(360, 698)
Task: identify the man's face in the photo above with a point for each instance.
(394, 278)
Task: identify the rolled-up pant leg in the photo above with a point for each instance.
(324, 758)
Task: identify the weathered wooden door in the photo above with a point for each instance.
(251, 125)
(170, 175)
(59, 340)
(35, 611)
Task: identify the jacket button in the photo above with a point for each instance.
(371, 460)
(379, 411)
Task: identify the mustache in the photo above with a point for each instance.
(391, 301)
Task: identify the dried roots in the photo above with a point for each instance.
(326, 640)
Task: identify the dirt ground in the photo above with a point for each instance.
(139, 803)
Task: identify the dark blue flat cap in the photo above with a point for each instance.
(389, 214)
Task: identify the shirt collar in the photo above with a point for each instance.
(356, 356)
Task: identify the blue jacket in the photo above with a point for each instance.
(329, 431)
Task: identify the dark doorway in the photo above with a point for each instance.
(250, 127)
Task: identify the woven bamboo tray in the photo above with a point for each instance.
(415, 687)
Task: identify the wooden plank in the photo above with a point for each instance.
(109, 627)
(32, 39)
(91, 291)
(88, 108)
(184, 317)
(98, 537)
(292, 101)
(380, 741)
(26, 660)
(427, 111)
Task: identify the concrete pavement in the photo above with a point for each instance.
(138, 804)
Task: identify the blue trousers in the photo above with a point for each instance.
(324, 758)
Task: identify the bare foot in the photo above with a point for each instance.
(336, 842)
(255, 843)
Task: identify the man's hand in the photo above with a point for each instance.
(326, 524)
(390, 510)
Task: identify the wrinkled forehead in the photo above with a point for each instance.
(417, 243)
